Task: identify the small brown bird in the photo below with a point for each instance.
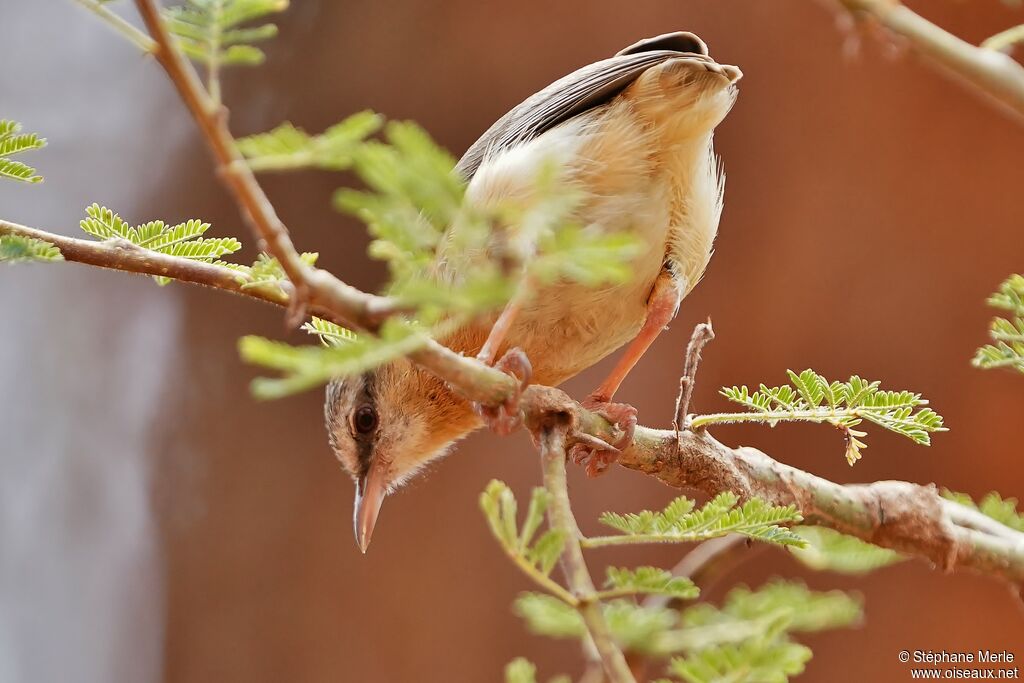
(633, 134)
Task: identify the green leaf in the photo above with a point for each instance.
(546, 551)
(209, 31)
(752, 662)
(12, 142)
(548, 616)
(330, 334)
(650, 580)
(267, 271)
(184, 240)
(830, 550)
(812, 398)
(287, 147)
(1008, 333)
(679, 523)
(520, 670)
(1003, 510)
(16, 248)
(807, 610)
(499, 506)
(306, 367)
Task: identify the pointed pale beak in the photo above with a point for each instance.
(370, 493)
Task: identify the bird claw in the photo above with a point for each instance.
(596, 454)
(504, 418)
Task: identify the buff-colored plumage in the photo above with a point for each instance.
(644, 164)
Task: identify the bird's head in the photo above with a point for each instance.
(385, 425)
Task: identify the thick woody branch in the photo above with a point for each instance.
(905, 517)
(992, 73)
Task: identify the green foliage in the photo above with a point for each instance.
(536, 558)
(287, 147)
(329, 333)
(812, 398)
(15, 248)
(521, 670)
(305, 367)
(1007, 333)
(679, 522)
(755, 661)
(748, 636)
(413, 197)
(1003, 510)
(830, 550)
(211, 31)
(548, 616)
(651, 580)
(13, 141)
(184, 240)
(267, 271)
(805, 610)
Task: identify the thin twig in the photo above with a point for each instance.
(986, 71)
(702, 334)
(574, 566)
(116, 22)
(702, 564)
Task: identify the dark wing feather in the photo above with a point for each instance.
(579, 92)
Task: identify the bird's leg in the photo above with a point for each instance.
(503, 419)
(661, 308)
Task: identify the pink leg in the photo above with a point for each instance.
(661, 308)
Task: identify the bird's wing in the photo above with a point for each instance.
(580, 91)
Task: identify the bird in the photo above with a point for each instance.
(633, 135)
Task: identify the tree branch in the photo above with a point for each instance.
(574, 566)
(131, 258)
(987, 71)
(314, 288)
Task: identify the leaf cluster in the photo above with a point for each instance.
(812, 398)
(748, 638)
(13, 141)
(212, 31)
(521, 670)
(680, 522)
(184, 240)
(1003, 510)
(830, 550)
(537, 556)
(16, 248)
(1007, 333)
(305, 367)
(288, 147)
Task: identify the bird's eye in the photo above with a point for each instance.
(364, 419)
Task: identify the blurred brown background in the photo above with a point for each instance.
(156, 523)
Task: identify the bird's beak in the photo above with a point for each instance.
(370, 492)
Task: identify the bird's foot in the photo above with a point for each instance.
(504, 418)
(596, 454)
